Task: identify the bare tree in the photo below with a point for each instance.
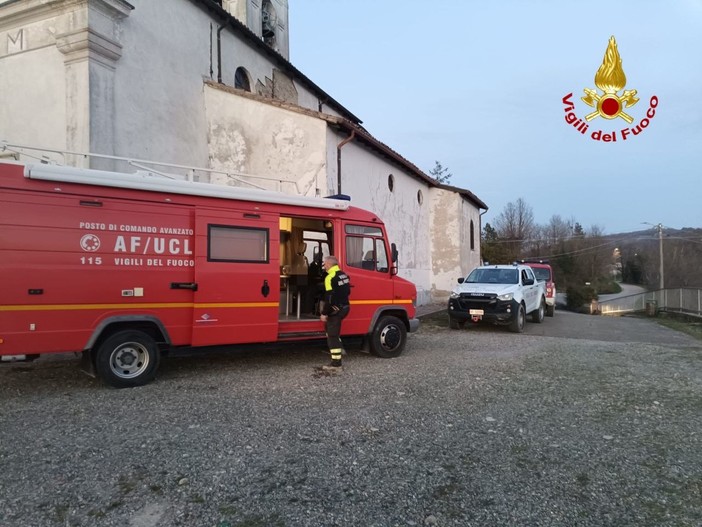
(557, 231)
(516, 221)
(516, 224)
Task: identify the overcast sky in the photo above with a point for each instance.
(479, 85)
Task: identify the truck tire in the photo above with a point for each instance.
(127, 358)
(538, 315)
(388, 337)
(550, 311)
(455, 323)
(517, 325)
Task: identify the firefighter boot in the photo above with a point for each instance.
(335, 365)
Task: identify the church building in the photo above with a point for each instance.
(208, 84)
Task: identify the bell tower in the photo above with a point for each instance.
(267, 18)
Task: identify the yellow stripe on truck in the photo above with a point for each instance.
(370, 302)
(172, 305)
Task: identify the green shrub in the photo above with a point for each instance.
(578, 296)
(607, 287)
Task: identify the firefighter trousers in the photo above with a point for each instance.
(333, 328)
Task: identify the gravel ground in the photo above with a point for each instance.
(466, 428)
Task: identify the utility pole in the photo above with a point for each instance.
(660, 251)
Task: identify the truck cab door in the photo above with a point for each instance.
(531, 290)
(368, 263)
(237, 280)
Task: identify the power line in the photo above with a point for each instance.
(584, 250)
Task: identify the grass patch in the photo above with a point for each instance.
(684, 324)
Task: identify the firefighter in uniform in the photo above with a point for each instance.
(336, 307)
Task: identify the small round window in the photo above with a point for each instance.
(391, 182)
(420, 197)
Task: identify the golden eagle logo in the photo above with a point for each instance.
(610, 79)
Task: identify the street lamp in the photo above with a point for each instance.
(660, 248)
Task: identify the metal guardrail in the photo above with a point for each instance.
(679, 300)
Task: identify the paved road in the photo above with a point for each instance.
(566, 324)
(608, 329)
(627, 290)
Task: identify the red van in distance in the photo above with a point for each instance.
(543, 271)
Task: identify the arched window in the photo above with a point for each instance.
(472, 236)
(241, 79)
(391, 182)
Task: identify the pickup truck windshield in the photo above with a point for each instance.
(493, 276)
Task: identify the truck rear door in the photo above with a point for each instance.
(237, 277)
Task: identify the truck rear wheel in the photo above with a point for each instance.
(127, 358)
(517, 325)
(388, 337)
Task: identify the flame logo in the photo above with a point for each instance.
(610, 78)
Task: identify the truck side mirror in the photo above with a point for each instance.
(460, 280)
(393, 249)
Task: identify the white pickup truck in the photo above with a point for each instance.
(501, 294)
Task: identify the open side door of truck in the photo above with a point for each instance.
(237, 277)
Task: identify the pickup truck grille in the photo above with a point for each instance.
(485, 301)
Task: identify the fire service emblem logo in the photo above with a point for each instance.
(608, 103)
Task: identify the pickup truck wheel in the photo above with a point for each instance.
(550, 311)
(455, 323)
(127, 358)
(388, 337)
(517, 325)
(538, 315)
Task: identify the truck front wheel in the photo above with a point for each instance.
(127, 358)
(455, 323)
(538, 315)
(388, 337)
(517, 325)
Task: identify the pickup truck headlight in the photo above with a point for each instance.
(506, 297)
(454, 295)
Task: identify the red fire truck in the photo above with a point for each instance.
(124, 267)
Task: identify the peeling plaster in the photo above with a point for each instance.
(228, 152)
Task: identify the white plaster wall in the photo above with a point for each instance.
(263, 140)
(33, 98)
(452, 256)
(365, 179)
(154, 99)
(159, 91)
(159, 104)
